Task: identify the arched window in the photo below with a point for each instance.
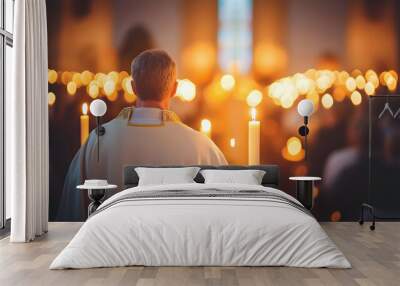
(235, 38)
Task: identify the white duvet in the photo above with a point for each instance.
(200, 231)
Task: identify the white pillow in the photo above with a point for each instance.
(248, 177)
(164, 176)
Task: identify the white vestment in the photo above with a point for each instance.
(137, 136)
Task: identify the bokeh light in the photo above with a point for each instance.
(227, 82)
(127, 85)
(371, 76)
(323, 82)
(302, 83)
(199, 61)
(390, 81)
(356, 97)
(351, 84)
(205, 125)
(355, 73)
(286, 101)
(71, 88)
(336, 216)
(360, 82)
(320, 86)
(269, 60)
(113, 96)
(100, 78)
(339, 93)
(254, 98)
(342, 78)
(327, 101)
(129, 98)
(122, 75)
(314, 97)
(51, 99)
(52, 76)
(232, 142)
(369, 88)
(76, 77)
(292, 158)
(86, 77)
(93, 89)
(186, 90)
(114, 76)
(66, 77)
(109, 87)
(293, 146)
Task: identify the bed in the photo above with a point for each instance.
(197, 224)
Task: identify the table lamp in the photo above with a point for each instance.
(305, 108)
(98, 108)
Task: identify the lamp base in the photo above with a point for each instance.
(304, 193)
(303, 130)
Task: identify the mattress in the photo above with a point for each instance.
(201, 225)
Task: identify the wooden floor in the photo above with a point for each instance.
(375, 257)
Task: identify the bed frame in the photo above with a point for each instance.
(270, 179)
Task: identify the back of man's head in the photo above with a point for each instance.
(154, 75)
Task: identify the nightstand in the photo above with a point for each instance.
(304, 190)
(96, 195)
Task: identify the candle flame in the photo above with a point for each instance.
(232, 142)
(253, 113)
(84, 108)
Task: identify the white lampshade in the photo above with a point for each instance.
(98, 107)
(305, 107)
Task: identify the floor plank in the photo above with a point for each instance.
(375, 257)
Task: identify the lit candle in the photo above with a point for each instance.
(205, 127)
(254, 139)
(84, 123)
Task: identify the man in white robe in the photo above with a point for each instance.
(148, 134)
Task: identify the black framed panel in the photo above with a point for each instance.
(384, 154)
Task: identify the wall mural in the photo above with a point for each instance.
(251, 118)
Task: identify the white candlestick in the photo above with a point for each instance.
(254, 139)
(84, 124)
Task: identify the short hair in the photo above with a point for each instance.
(153, 74)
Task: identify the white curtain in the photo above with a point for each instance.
(27, 124)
